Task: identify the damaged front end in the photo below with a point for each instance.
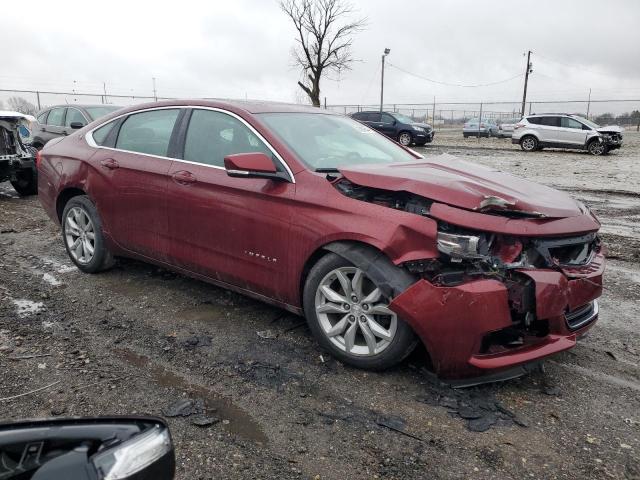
(508, 288)
(17, 158)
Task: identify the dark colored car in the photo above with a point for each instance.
(318, 214)
(61, 120)
(401, 128)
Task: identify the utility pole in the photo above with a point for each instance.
(155, 93)
(433, 120)
(104, 89)
(386, 52)
(589, 104)
(526, 80)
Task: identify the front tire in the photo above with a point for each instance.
(349, 316)
(83, 237)
(405, 139)
(597, 148)
(529, 143)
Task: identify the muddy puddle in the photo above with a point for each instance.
(240, 422)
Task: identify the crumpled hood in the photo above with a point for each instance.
(446, 179)
(611, 129)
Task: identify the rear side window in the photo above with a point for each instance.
(101, 134)
(373, 117)
(567, 122)
(74, 116)
(359, 116)
(550, 121)
(56, 117)
(213, 135)
(148, 132)
(535, 120)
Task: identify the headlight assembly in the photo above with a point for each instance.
(417, 129)
(463, 246)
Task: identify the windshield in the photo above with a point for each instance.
(97, 112)
(326, 142)
(404, 118)
(588, 123)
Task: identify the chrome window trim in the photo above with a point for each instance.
(88, 136)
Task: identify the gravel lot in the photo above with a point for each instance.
(136, 339)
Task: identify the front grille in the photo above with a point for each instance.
(571, 251)
(582, 316)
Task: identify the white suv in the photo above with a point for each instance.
(559, 130)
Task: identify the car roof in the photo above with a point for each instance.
(248, 106)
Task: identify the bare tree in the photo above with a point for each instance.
(22, 105)
(324, 39)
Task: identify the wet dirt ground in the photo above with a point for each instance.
(137, 339)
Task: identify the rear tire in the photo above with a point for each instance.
(83, 237)
(360, 311)
(529, 143)
(26, 182)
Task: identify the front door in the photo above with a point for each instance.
(55, 124)
(235, 230)
(571, 132)
(389, 126)
(134, 176)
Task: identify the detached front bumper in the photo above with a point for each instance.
(455, 322)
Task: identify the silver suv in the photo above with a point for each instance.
(559, 130)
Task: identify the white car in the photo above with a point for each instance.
(506, 128)
(17, 157)
(558, 130)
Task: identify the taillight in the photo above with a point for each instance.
(482, 125)
(518, 125)
(38, 158)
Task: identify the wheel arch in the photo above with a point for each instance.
(64, 196)
(390, 278)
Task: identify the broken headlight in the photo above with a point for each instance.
(459, 246)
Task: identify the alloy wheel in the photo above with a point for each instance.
(80, 235)
(596, 148)
(353, 313)
(405, 139)
(528, 144)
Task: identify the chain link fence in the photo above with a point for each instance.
(625, 113)
(455, 114)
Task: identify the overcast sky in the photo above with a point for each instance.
(242, 48)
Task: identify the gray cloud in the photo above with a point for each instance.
(242, 48)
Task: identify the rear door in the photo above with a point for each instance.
(549, 129)
(134, 176)
(231, 229)
(571, 132)
(373, 120)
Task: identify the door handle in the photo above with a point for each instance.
(183, 177)
(109, 163)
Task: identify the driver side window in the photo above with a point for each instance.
(213, 135)
(386, 118)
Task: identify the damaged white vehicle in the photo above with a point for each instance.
(558, 130)
(17, 157)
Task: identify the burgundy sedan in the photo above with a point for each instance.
(378, 247)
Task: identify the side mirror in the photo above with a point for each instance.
(99, 448)
(252, 165)
(76, 125)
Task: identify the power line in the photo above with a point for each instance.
(455, 84)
